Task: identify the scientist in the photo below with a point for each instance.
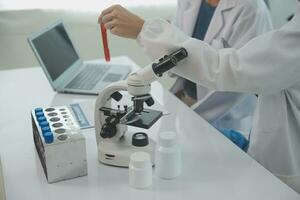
(268, 65)
(214, 21)
(234, 22)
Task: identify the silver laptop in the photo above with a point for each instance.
(64, 69)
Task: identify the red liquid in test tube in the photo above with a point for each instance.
(104, 42)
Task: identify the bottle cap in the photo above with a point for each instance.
(167, 139)
(140, 160)
(140, 139)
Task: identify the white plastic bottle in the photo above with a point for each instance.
(167, 156)
(140, 170)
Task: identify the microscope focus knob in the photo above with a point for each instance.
(109, 129)
(140, 139)
(150, 101)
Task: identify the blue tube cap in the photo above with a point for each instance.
(44, 124)
(46, 129)
(48, 136)
(39, 114)
(41, 119)
(38, 110)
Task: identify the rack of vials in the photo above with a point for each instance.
(59, 142)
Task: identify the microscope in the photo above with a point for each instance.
(114, 142)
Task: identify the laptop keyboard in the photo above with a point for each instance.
(88, 78)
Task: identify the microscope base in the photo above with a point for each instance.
(118, 153)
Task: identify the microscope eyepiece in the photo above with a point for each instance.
(138, 106)
(169, 61)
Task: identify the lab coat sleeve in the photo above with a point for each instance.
(250, 23)
(267, 64)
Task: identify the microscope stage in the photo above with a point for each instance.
(147, 119)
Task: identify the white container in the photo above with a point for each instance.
(167, 156)
(140, 170)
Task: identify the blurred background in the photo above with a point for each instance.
(20, 18)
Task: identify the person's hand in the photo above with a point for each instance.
(121, 22)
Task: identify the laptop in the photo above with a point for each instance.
(63, 67)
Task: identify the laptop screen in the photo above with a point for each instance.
(55, 50)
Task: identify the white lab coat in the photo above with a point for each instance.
(268, 65)
(236, 22)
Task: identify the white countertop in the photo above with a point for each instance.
(213, 168)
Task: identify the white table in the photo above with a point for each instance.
(213, 168)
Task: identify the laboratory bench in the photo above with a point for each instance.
(212, 166)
